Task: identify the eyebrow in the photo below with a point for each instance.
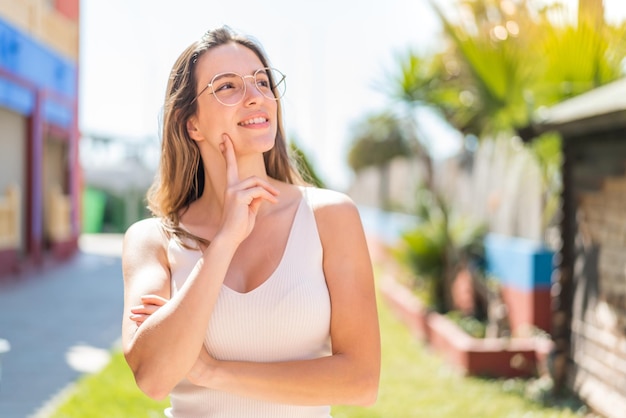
(226, 73)
(222, 75)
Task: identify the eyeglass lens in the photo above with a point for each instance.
(230, 88)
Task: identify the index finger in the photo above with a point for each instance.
(232, 171)
(153, 300)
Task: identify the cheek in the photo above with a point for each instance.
(216, 131)
(275, 119)
(213, 126)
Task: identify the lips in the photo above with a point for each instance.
(254, 121)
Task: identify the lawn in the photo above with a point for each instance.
(414, 383)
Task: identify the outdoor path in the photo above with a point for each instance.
(60, 322)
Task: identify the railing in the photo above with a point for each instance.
(10, 218)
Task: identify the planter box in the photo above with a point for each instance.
(407, 307)
(492, 357)
(524, 269)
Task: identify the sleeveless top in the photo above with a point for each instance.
(286, 318)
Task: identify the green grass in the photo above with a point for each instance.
(417, 383)
(414, 383)
(112, 393)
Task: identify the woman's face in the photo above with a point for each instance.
(251, 123)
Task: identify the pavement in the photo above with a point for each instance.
(61, 320)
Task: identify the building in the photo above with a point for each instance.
(589, 317)
(39, 169)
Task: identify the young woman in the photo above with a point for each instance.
(249, 293)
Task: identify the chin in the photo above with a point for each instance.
(265, 143)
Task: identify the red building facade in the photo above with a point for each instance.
(39, 169)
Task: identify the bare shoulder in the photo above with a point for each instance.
(144, 240)
(324, 198)
(332, 207)
(342, 236)
(146, 232)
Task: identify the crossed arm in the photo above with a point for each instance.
(161, 340)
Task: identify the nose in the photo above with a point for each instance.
(252, 92)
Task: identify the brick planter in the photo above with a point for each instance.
(407, 307)
(493, 357)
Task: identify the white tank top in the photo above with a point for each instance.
(285, 318)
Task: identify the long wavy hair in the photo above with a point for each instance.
(180, 177)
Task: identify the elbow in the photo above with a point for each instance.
(369, 393)
(363, 380)
(151, 386)
(365, 390)
(154, 393)
(149, 383)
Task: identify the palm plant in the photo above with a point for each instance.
(495, 61)
(411, 87)
(505, 60)
(577, 59)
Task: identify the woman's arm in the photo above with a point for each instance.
(165, 347)
(351, 374)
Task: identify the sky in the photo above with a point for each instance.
(333, 52)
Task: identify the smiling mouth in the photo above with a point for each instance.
(253, 121)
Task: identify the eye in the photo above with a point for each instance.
(263, 81)
(225, 85)
(227, 82)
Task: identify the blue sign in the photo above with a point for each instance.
(40, 67)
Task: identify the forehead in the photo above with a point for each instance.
(230, 57)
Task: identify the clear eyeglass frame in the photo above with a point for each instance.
(274, 91)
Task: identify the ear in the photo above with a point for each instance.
(192, 129)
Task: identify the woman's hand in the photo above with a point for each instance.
(149, 305)
(242, 197)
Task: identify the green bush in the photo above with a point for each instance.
(437, 246)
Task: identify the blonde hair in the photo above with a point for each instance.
(180, 177)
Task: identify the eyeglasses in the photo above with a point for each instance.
(230, 88)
